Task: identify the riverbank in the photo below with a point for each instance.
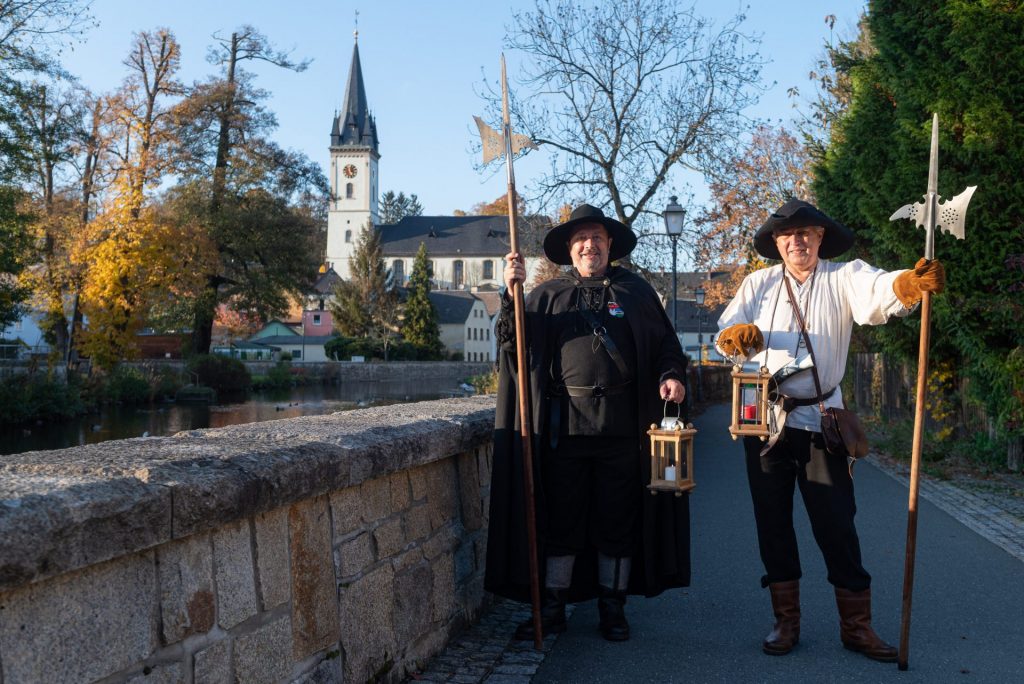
(89, 414)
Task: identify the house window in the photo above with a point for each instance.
(469, 333)
(297, 354)
(349, 191)
(488, 334)
(348, 236)
(488, 269)
(321, 303)
(316, 319)
(398, 271)
(457, 273)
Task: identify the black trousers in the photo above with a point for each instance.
(592, 490)
(799, 459)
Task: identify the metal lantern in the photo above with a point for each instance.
(671, 455)
(750, 408)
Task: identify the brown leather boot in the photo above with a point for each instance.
(855, 626)
(786, 606)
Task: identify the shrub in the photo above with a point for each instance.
(126, 385)
(24, 399)
(224, 374)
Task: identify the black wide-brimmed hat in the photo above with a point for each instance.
(798, 214)
(556, 242)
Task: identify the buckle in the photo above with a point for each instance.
(598, 391)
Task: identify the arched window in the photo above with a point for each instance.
(457, 274)
(398, 271)
(349, 191)
(488, 269)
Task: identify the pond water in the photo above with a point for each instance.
(167, 419)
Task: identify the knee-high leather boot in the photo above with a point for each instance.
(855, 626)
(552, 616)
(613, 574)
(786, 606)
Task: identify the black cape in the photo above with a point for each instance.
(663, 557)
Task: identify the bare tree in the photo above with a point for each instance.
(624, 93)
(772, 168)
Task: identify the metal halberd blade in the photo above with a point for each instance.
(931, 213)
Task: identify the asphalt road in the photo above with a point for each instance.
(968, 611)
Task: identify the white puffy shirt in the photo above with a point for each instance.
(837, 296)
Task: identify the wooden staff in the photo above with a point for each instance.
(929, 214)
(494, 146)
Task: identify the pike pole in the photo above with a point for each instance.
(494, 146)
(929, 215)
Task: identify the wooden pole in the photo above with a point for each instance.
(915, 468)
(525, 420)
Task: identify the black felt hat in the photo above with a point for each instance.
(556, 242)
(798, 214)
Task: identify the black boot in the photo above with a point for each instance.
(552, 616)
(611, 607)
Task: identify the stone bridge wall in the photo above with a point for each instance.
(318, 549)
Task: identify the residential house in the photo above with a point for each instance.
(465, 326)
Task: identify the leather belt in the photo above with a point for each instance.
(790, 403)
(588, 390)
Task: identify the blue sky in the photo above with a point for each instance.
(422, 62)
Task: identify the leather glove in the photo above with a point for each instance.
(926, 276)
(740, 339)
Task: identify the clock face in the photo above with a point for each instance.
(350, 171)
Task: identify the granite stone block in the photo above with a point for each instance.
(346, 512)
(212, 665)
(233, 567)
(367, 624)
(187, 604)
(355, 555)
(314, 597)
(264, 656)
(49, 631)
(389, 538)
(274, 580)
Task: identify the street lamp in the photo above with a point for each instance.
(698, 296)
(674, 215)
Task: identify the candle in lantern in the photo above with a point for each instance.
(749, 412)
(670, 473)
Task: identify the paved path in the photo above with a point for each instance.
(968, 613)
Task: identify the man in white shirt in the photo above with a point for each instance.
(831, 298)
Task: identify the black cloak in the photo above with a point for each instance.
(663, 557)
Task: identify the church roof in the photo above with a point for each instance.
(448, 235)
(354, 126)
(453, 306)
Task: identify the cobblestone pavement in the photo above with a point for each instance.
(485, 653)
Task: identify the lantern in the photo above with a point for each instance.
(750, 407)
(671, 455)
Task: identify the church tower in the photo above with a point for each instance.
(353, 172)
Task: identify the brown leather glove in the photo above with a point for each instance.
(926, 276)
(740, 339)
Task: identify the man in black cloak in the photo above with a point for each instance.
(602, 357)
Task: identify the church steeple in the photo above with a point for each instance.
(354, 125)
(354, 174)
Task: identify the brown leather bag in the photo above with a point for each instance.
(843, 434)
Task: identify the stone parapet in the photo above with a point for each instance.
(321, 548)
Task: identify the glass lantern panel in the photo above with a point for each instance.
(750, 403)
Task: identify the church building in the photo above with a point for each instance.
(466, 252)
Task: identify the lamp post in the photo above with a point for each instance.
(674, 215)
(698, 296)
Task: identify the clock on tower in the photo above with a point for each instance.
(350, 171)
